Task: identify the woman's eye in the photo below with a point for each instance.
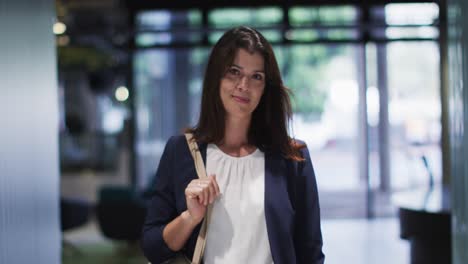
(258, 77)
(234, 71)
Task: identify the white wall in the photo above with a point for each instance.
(29, 168)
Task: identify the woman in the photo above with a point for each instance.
(261, 184)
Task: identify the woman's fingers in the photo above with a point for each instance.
(206, 194)
(206, 190)
(215, 184)
(192, 191)
(214, 188)
(212, 191)
(200, 191)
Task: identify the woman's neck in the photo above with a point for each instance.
(236, 133)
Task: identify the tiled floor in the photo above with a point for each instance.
(345, 241)
(364, 242)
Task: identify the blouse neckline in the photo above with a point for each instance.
(234, 157)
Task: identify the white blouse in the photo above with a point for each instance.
(237, 232)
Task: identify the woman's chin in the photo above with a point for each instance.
(240, 113)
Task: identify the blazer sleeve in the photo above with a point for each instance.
(161, 209)
(308, 231)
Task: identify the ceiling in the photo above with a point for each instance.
(104, 26)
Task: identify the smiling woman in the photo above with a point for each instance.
(261, 190)
(243, 84)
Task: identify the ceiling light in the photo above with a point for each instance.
(121, 93)
(59, 28)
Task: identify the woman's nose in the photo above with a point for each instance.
(243, 83)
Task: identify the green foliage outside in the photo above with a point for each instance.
(302, 66)
(88, 58)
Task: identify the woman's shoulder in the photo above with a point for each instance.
(298, 142)
(176, 140)
(301, 147)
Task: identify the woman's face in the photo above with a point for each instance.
(243, 84)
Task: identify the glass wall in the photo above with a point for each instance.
(414, 114)
(168, 94)
(324, 82)
(328, 56)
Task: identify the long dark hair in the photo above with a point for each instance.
(270, 120)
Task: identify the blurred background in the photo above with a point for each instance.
(366, 80)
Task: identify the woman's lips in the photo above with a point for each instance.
(241, 99)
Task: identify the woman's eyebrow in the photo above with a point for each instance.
(237, 66)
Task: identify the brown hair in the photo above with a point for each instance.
(270, 120)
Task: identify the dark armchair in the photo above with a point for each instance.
(74, 213)
(120, 212)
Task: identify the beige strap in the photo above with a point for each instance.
(200, 168)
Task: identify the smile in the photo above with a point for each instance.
(241, 99)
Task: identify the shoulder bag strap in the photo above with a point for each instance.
(200, 168)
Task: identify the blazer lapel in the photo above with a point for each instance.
(278, 210)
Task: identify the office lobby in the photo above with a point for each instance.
(93, 90)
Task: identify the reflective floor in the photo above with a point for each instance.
(364, 242)
(345, 241)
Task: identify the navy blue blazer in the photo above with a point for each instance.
(291, 205)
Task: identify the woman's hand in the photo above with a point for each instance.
(198, 194)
